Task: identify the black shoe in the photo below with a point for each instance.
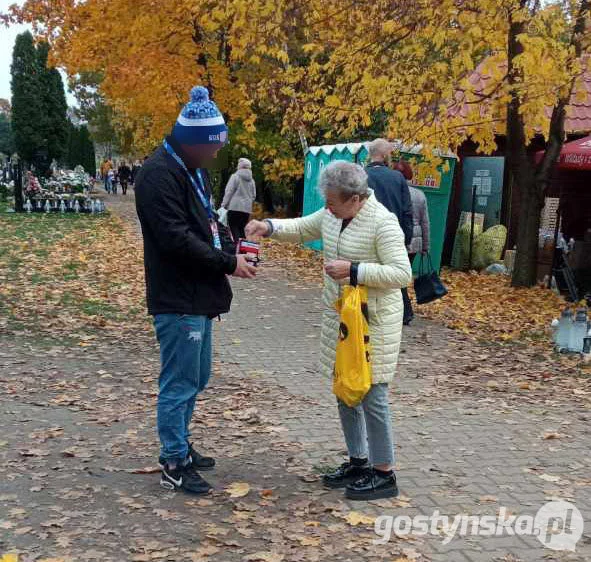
(407, 321)
(184, 478)
(199, 461)
(373, 486)
(347, 473)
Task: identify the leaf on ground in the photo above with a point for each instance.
(204, 551)
(238, 489)
(264, 557)
(488, 499)
(550, 478)
(145, 470)
(355, 518)
(552, 435)
(310, 541)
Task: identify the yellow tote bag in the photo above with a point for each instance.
(352, 370)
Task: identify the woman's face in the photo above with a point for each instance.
(342, 207)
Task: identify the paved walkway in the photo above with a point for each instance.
(76, 438)
(456, 453)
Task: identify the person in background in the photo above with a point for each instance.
(112, 175)
(106, 167)
(124, 176)
(420, 241)
(363, 244)
(389, 186)
(187, 273)
(239, 197)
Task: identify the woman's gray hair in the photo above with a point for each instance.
(345, 177)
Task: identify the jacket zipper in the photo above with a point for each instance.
(340, 287)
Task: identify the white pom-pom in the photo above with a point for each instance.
(199, 94)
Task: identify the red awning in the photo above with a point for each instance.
(575, 155)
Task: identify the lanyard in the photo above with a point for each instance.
(201, 193)
(198, 186)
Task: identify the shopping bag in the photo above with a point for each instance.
(352, 370)
(428, 286)
(223, 216)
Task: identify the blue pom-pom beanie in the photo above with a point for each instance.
(200, 121)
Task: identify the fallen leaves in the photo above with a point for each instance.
(356, 518)
(238, 489)
(552, 435)
(70, 274)
(264, 557)
(487, 306)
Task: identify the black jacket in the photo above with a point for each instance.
(185, 273)
(124, 172)
(391, 190)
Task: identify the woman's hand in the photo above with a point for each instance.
(255, 230)
(338, 269)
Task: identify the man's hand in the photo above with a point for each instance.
(244, 269)
(338, 269)
(255, 230)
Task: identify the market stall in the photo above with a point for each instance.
(437, 186)
(571, 188)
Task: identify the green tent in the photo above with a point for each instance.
(436, 189)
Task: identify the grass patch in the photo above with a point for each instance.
(70, 275)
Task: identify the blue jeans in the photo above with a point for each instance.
(185, 357)
(368, 427)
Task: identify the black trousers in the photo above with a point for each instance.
(408, 313)
(238, 221)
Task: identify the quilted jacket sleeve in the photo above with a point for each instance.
(304, 229)
(394, 270)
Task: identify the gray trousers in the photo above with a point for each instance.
(368, 427)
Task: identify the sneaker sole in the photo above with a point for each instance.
(377, 495)
(200, 468)
(172, 488)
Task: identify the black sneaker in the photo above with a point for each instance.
(199, 461)
(372, 486)
(347, 473)
(184, 478)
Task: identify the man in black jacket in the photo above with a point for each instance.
(186, 278)
(389, 186)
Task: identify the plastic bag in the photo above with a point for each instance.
(352, 371)
(488, 246)
(223, 216)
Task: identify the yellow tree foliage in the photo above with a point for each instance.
(151, 54)
(337, 69)
(412, 65)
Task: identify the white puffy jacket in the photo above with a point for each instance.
(375, 240)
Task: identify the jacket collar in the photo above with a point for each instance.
(376, 164)
(367, 208)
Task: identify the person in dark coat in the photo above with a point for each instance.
(186, 278)
(124, 172)
(390, 186)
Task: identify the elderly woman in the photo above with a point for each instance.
(362, 242)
